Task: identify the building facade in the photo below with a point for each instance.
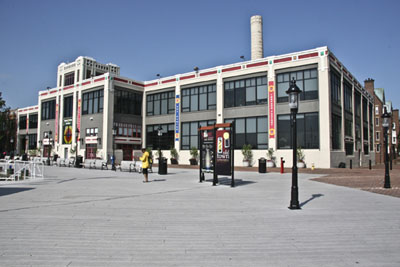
(95, 113)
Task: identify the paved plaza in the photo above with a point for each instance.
(81, 217)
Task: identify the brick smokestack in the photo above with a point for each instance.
(370, 86)
(256, 26)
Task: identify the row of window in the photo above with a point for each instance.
(33, 122)
(245, 92)
(92, 102)
(127, 102)
(49, 110)
(161, 103)
(199, 98)
(306, 80)
(164, 140)
(128, 129)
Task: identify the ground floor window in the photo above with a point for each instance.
(366, 149)
(336, 131)
(165, 140)
(32, 141)
(349, 148)
(307, 131)
(252, 130)
(189, 133)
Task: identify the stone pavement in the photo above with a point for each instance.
(79, 217)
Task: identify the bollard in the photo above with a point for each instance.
(312, 166)
(370, 165)
(282, 165)
(390, 164)
(351, 164)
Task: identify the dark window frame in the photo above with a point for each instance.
(48, 110)
(301, 77)
(190, 135)
(204, 90)
(238, 90)
(92, 102)
(251, 138)
(154, 102)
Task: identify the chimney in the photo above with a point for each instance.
(256, 37)
(370, 86)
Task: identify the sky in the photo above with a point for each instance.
(148, 37)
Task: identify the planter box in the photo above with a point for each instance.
(246, 163)
(193, 161)
(301, 165)
(174, 161)
(270, 164)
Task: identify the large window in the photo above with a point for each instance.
(335, 88)
(336, 131)
(49, 110)
(68, 106)
(307, 131)
(252, 130)
(246, 92)
(306, 80)
(128, 129)
(22, 122)
(348, 107)
(371, 127)
(93, 102)
(161, 103)
(126, 102)
(189, 133)
(199, 98)
(357, 112)
(166, 140)
(33, 121)
(32, 139)
(69, 78)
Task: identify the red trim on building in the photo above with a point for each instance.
(85, 83)
(69, 87)
(25, 109)
(43, 94)
(138, 84)
(208, 73)
(52, 92)
(37, 108)
(30, 108)
(187, 77)
(150, 84)
(168, 81)
(100, 79)
(257, 64)
(309, 55)
(120, 80)
(232, 69)
(285, 59)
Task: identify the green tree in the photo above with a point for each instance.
(7, 127)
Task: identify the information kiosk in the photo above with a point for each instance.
(216, 143)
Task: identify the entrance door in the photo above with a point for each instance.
(91, 151)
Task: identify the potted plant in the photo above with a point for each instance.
(194, 153)
(270, 158)
(174, 155)
(247, 155)
(300, 158)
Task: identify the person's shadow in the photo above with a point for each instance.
(314, 196)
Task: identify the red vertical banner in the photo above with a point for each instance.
(271, 109)
(56, 126)
(78, 118)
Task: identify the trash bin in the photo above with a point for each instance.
(262, 165)
(24, 157)
(78, 162)
(162, 166)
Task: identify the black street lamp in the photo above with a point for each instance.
(49, 151)
(293, 93)
(385, 124)
(159, 148)
(114, 132)
(76, 147)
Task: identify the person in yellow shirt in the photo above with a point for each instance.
(145, 164)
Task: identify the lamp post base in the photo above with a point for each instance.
(294, 206)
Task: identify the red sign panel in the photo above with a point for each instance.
(56, 126)
(271, 109)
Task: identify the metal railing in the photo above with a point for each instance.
(15, 170)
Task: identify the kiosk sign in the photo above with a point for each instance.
(223, 152)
